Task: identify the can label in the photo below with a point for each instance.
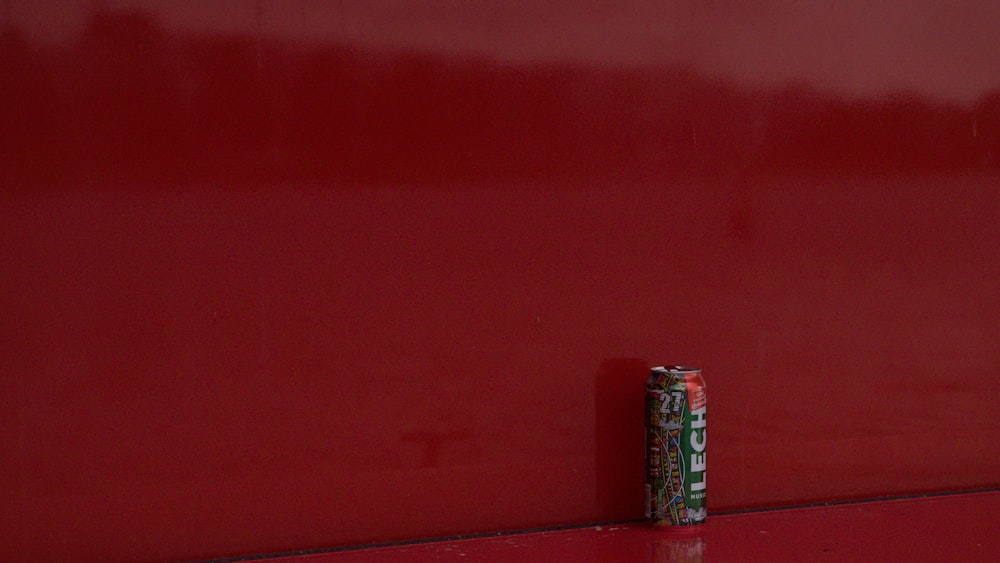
(675, 446)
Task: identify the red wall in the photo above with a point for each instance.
(294, 275)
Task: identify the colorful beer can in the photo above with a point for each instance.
(675, 447)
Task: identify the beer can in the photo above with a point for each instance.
(675, 447)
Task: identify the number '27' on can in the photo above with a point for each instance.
(675, 447)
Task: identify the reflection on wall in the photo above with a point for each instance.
(129, 98)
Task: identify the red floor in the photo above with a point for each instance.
(959, 527)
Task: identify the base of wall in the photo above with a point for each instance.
(958, 527)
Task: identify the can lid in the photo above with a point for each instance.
(676, 369)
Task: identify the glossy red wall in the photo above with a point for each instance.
(292, 275)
